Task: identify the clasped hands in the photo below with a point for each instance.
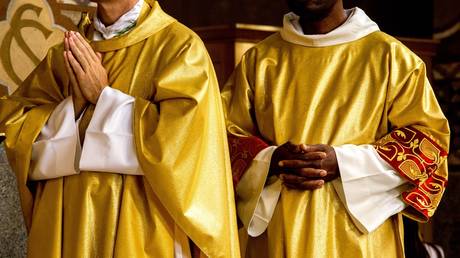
(304, 167)
(87, 75)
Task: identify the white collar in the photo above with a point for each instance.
(357, 25)
(124, 24)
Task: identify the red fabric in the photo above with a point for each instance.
(417, 158)
(242, 151)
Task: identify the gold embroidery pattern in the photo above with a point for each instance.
(416, 157)
(242, 151)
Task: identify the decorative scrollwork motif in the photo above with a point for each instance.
(14, 33)
(418, 158)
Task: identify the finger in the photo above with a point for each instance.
(293, 147)
(313, 184)
(301, 183)
(67, 65)
(289, 155)
(66, 37)
(99, 56)
(87, 46)
(313, 147)
(293, 163)
(311, 172)
(73, 80)
(79, 54)
(313, 155)
(75, 65)
(66, 44)
(292, 179)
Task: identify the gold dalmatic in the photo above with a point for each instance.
(180, 142)
(372, 90)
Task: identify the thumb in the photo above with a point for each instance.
(313, 148)
(99, 55)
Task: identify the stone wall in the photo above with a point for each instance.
(12, 230)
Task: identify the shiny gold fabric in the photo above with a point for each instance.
(180, 141)
(352, 93)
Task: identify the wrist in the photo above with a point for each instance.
(95, 97)
(79, 101)
(79, 107)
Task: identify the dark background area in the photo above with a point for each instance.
(402, 18)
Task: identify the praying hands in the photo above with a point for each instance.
(87, 75)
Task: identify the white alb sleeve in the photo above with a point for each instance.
(256, 196)
(56, 151)
(368, 186)
(109, 141)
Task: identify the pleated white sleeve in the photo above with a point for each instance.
(256, 196)
(109, 141)
(368, 186)
(56, 151)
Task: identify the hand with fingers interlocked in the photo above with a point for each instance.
(88, 77)
(304, 167)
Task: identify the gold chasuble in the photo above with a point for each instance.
(370, 90)
(180, 142)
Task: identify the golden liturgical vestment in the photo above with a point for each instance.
(359, 92)
(180, 141)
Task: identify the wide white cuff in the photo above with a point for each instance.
(368, 186)
(55, 153)
(109, 141)
(257, 197)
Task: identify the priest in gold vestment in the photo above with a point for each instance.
(151, 177)
(335, 134)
